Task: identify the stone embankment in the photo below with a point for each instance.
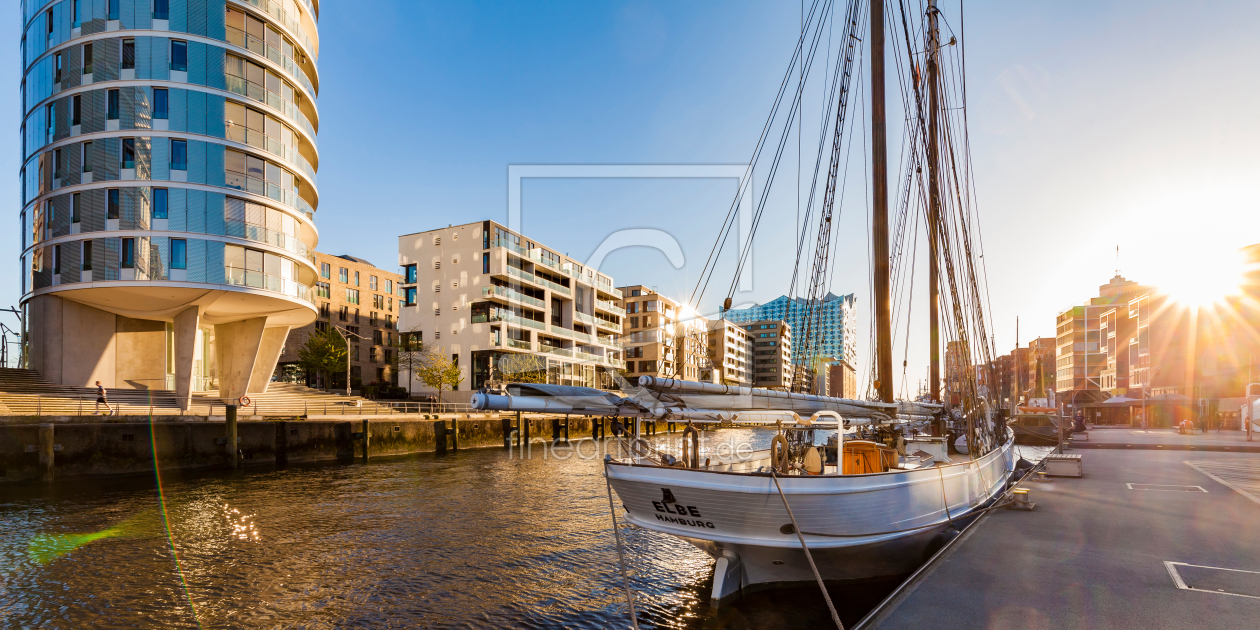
(48, 447)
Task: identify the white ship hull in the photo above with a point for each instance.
(856, 526)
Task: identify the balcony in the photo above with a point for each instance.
(510, 319)
(609, 307)
(542, 282)
(511, 295)
(607, 325)
(498, 342)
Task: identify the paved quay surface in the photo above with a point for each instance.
(1093, 553)
(1157, 439)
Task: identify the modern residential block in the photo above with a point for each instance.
(731, 351)
(362, 302)
(168, 189)
(507, 308)
(662, 337)
(772, 354)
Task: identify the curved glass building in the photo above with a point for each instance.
(168, 189)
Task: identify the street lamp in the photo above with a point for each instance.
(1146, 388)
(346, 334)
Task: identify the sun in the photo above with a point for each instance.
(1205, 277)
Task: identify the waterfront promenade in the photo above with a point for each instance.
(1095, 552)
(1171, 439)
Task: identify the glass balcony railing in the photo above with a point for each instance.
(529, 277)
(256, 92)
(237, 37)
(257, 186)
(260, 234)
(236, 276)
(609, 307)
(583, 317)
(245, 135)
(509, 294)
(290, 22)
(562, 331)
(508, 317)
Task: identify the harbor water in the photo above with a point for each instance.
(474, 538)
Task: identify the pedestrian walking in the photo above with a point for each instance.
(100, 400)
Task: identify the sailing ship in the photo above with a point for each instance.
(850, 489)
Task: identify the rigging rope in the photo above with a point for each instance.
(795, 528)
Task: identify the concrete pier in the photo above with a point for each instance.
(1146, 539)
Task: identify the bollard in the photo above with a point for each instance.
(46, 438)
(367, 439)
(230, 414)
(439, 436)
(455, 433)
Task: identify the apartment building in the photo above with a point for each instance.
(508, 309)
(772, 354)
(835, 324)
(661, 337)
(362, 301)
(1080, 356)
(731, 351)
(168, 190)
(842, 380)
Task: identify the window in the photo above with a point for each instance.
(389, 306)
(129, 153)
(356, 278)
(409, 296)
(160, 203)
(87, 157)
(74, 208)
(87, 58)
(179, 253)
(343, 275)
(127, 257)
(74, 8)
(87, 256)
(76, 109)
(57, 68)
(179, 155)
(344, 314)
(161, 9)
(48, 17)
(372, 282)
(128, 54)
(409, 274)
(112, 10)
(161, 104)
(58, 164)
(352, 296)
(179, 56)
(111, 203)
(389, 286)
(485, 263)
(111, 107)
(50, 114)
(372, 353)
(325, 270)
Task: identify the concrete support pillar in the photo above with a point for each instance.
(47, 438)
(186, 324)
(236, 350)
(269, 352)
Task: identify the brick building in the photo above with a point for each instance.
(360, 299)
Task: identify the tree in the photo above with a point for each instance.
(410, 353)
(324, 353)
(522, 368)
(438, 370)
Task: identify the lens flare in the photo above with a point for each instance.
(166, 518)
(1205, 277)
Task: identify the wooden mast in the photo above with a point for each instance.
(879, 211)
(934, 204)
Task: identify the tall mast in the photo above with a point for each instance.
(879, 211)
(934, 204)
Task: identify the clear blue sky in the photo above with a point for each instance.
(1093, 125)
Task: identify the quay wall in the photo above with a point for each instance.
(61, 447)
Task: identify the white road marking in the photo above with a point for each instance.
(1163, 487)
(1181, 584)
(1241, 476)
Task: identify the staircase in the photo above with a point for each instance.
(291, 399)
(25, 393)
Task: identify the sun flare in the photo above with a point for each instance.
(1206, 277)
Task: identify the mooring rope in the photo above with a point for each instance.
(621, 555)
(834, 615)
